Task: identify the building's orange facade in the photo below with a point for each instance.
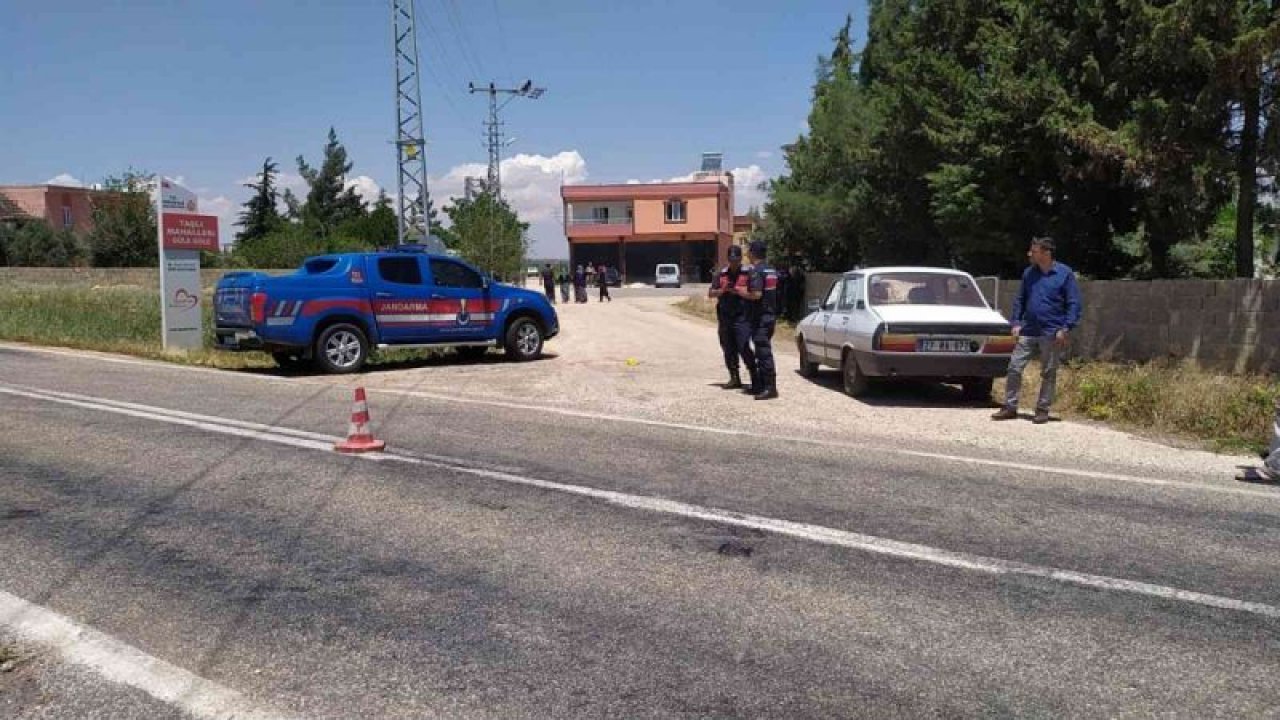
(62, 207)
(633, 227)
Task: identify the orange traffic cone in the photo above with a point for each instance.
(359, 437)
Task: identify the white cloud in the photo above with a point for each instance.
(366, 187)
(65, 180)
(746, 192)
(227, 211)
(531, 184)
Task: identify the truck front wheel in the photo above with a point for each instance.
(341, 348)
(524, 340)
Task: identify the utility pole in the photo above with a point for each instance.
(411, 181)
(493, 139)
(493, 126)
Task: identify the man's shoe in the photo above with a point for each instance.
(734, 383)
(1005, 413)
(1041, 417)
(768, 393)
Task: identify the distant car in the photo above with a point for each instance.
(906, 322)
(666, 275)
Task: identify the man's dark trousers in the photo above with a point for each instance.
(731, 344)
(741, 328)
(762, 338)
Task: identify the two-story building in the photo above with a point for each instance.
(69, 208)
(634, 227)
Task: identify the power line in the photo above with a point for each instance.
(502, 41)
(462, 37)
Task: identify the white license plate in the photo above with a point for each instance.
(945, 346)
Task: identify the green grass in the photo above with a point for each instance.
(1165, 400)
(121, 319)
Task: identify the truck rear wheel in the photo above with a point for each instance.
(524, 340)
(341, 348)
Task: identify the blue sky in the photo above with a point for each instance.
(205, 91)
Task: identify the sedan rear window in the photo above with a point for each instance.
(909, 288)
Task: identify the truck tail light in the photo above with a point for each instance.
(258, 307)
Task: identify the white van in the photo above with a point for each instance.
(667, 275)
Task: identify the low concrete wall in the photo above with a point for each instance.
(1223, 325)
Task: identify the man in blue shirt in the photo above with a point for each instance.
(1045, 312)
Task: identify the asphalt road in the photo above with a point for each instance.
(506, 562)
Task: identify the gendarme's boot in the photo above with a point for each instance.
(755, 386)
(769, 392)
(735, 381)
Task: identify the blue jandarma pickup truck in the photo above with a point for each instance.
(336, 308)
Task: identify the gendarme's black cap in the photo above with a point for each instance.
(735, 252)
(758, 248)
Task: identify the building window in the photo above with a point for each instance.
(600, 214)
(67, 220)
(675, 211)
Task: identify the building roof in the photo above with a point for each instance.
(9, 210)
(647, 191)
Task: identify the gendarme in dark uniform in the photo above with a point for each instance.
(726, 285)
(762, 314)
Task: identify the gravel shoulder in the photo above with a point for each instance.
(640, 357)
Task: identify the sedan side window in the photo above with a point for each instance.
(833, 297)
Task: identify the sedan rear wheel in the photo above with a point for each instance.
(855, 383)
(808, 368)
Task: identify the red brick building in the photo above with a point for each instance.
(62, 207)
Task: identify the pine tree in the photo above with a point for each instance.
(328, 203)
(260, 215)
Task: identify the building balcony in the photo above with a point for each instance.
(597, 228)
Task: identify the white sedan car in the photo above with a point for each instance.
(906, 322)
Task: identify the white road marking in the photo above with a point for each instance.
(124, 664)
(587, 415)
(884, 450)
(804, 531)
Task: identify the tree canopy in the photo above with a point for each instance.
(963, 129)
(487, 232)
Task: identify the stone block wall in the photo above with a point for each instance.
(1224, 325)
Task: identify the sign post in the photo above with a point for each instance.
(182, 235)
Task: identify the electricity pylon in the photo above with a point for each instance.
(411, 182)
